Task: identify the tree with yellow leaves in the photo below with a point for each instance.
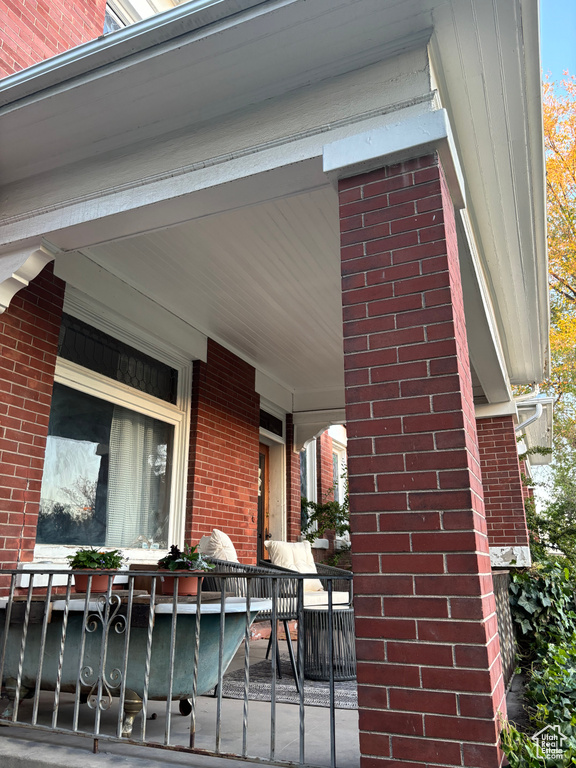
(560, 144)
(553, 526)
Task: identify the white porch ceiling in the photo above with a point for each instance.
(263, 280)
(145, 128)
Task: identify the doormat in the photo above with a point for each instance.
(316, 692)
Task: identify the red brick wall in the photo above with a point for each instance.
(29, 331)
(325, 483)
(34, 30)
(293, 495)
(224, 436)
(503, 492)
(324, 467)
(429, 670)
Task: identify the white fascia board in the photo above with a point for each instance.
(332, 416)
(394, 143)
(484, 342)
(496, 409)
(269, 389)
(306, 400)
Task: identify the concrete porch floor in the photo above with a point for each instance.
(26, 748)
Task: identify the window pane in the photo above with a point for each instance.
(111, 22)
(93, 349)
(106, 474)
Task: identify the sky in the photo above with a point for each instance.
(558, 37)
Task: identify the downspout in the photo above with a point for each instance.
(535, 416)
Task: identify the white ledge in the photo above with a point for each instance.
(512, 556)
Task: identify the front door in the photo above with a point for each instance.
(263, 497)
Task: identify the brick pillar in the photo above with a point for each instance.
(29, 331)
(33, 31)
(293, 494)
(503, 491)
(224, 437)
(325, 483)
(429, 669)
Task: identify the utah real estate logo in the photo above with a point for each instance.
(550, 741)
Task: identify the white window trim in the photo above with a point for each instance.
(311, 478)
(339, 448)
(95, 384)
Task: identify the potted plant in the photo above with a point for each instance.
(183, 561)
(90, 559)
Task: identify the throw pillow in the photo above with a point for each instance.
(296, 556)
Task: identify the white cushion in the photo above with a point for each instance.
(320, 599)
(296, 556)
(218, 545)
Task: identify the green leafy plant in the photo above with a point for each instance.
(543, 608)
(519, 748)
(552, 688)
(523, 752)
(90, 558)
(544, 611)
(187, 559)
(326, 516)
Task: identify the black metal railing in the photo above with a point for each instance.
(96, 663)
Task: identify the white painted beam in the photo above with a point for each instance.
(412, 137)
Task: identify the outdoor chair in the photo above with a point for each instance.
(298, 556)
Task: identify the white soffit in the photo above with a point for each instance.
(489, 81)
(212, 58)
(99, 293)
(264, 281)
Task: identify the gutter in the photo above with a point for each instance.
(108, 49)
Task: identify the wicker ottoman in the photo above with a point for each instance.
(317, 662)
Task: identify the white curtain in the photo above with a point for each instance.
(136, 482)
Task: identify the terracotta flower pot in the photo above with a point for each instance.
(99, 582)
(187, 584)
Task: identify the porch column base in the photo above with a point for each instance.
(510, 557)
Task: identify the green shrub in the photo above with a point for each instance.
(544, 612)
(522, 752)
(552, 688)
(543, 608)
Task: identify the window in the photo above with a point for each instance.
(106, 475)
(112, 22)
(340, 475)
(115, 455)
